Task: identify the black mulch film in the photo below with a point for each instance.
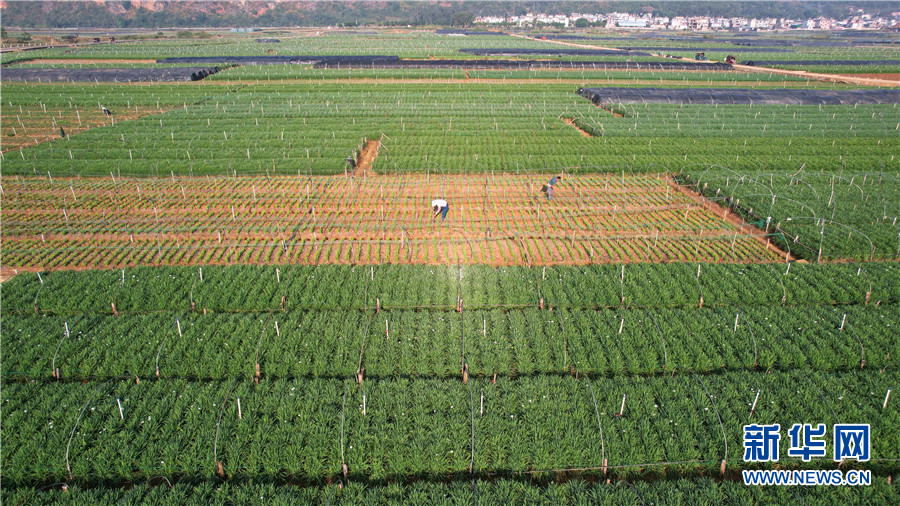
(821, 62)
(551, 51)
(708, 49)
(394, 62)
(115, 75)
(728, 96)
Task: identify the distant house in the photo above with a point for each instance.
(632, 23)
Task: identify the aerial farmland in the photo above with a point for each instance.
(225, 280)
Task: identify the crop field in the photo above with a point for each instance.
(204, 303)
(497, 220)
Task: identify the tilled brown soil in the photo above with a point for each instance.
(495, 220)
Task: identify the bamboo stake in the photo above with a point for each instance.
(753, 408)
(622, 409)
(121, 414)
(240, 416)
(886, 397)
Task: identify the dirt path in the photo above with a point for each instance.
(730, 217)
(887, 77)
(571, 122)
(835, 78)
(366, 158)
(572, 44)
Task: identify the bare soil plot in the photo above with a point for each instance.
(496, 220)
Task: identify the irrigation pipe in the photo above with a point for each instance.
(58, 346)
(633, 490)
(753, 336)
(78, 420)
(721, 425)
(862, 361)
(806, 377)
(219, 421)
(468, 383)
(599, 426)
(259, 344)
(162, 344)
(343, 411)
(340, 484)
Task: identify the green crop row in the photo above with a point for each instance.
(396, 428)
(261, 288)
(431, 343)
(312, 127)
(843, 214)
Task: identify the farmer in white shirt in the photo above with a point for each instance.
(439, 206)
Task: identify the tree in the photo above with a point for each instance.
(464, 18)
(582, 23)
(3, 33)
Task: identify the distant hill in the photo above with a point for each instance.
(164, 13)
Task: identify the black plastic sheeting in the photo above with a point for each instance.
(547, 64)
(551, 52)
(708, 49)
(284, 60)
(821, 62)
(728, 96)
(115, 75)
(394, 62)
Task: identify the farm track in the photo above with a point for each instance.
(833, 78)
(504, 220)
(571, 123)
(366, 157)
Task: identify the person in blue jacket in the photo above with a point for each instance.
(550, 185)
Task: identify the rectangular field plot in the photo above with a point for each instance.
(374, 219)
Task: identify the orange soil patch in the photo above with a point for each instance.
(496, 220)
(885, 77)
(366, 158)
(26, 127)
(571, 122)
(833, 78)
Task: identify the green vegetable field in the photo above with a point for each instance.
(235, 290)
